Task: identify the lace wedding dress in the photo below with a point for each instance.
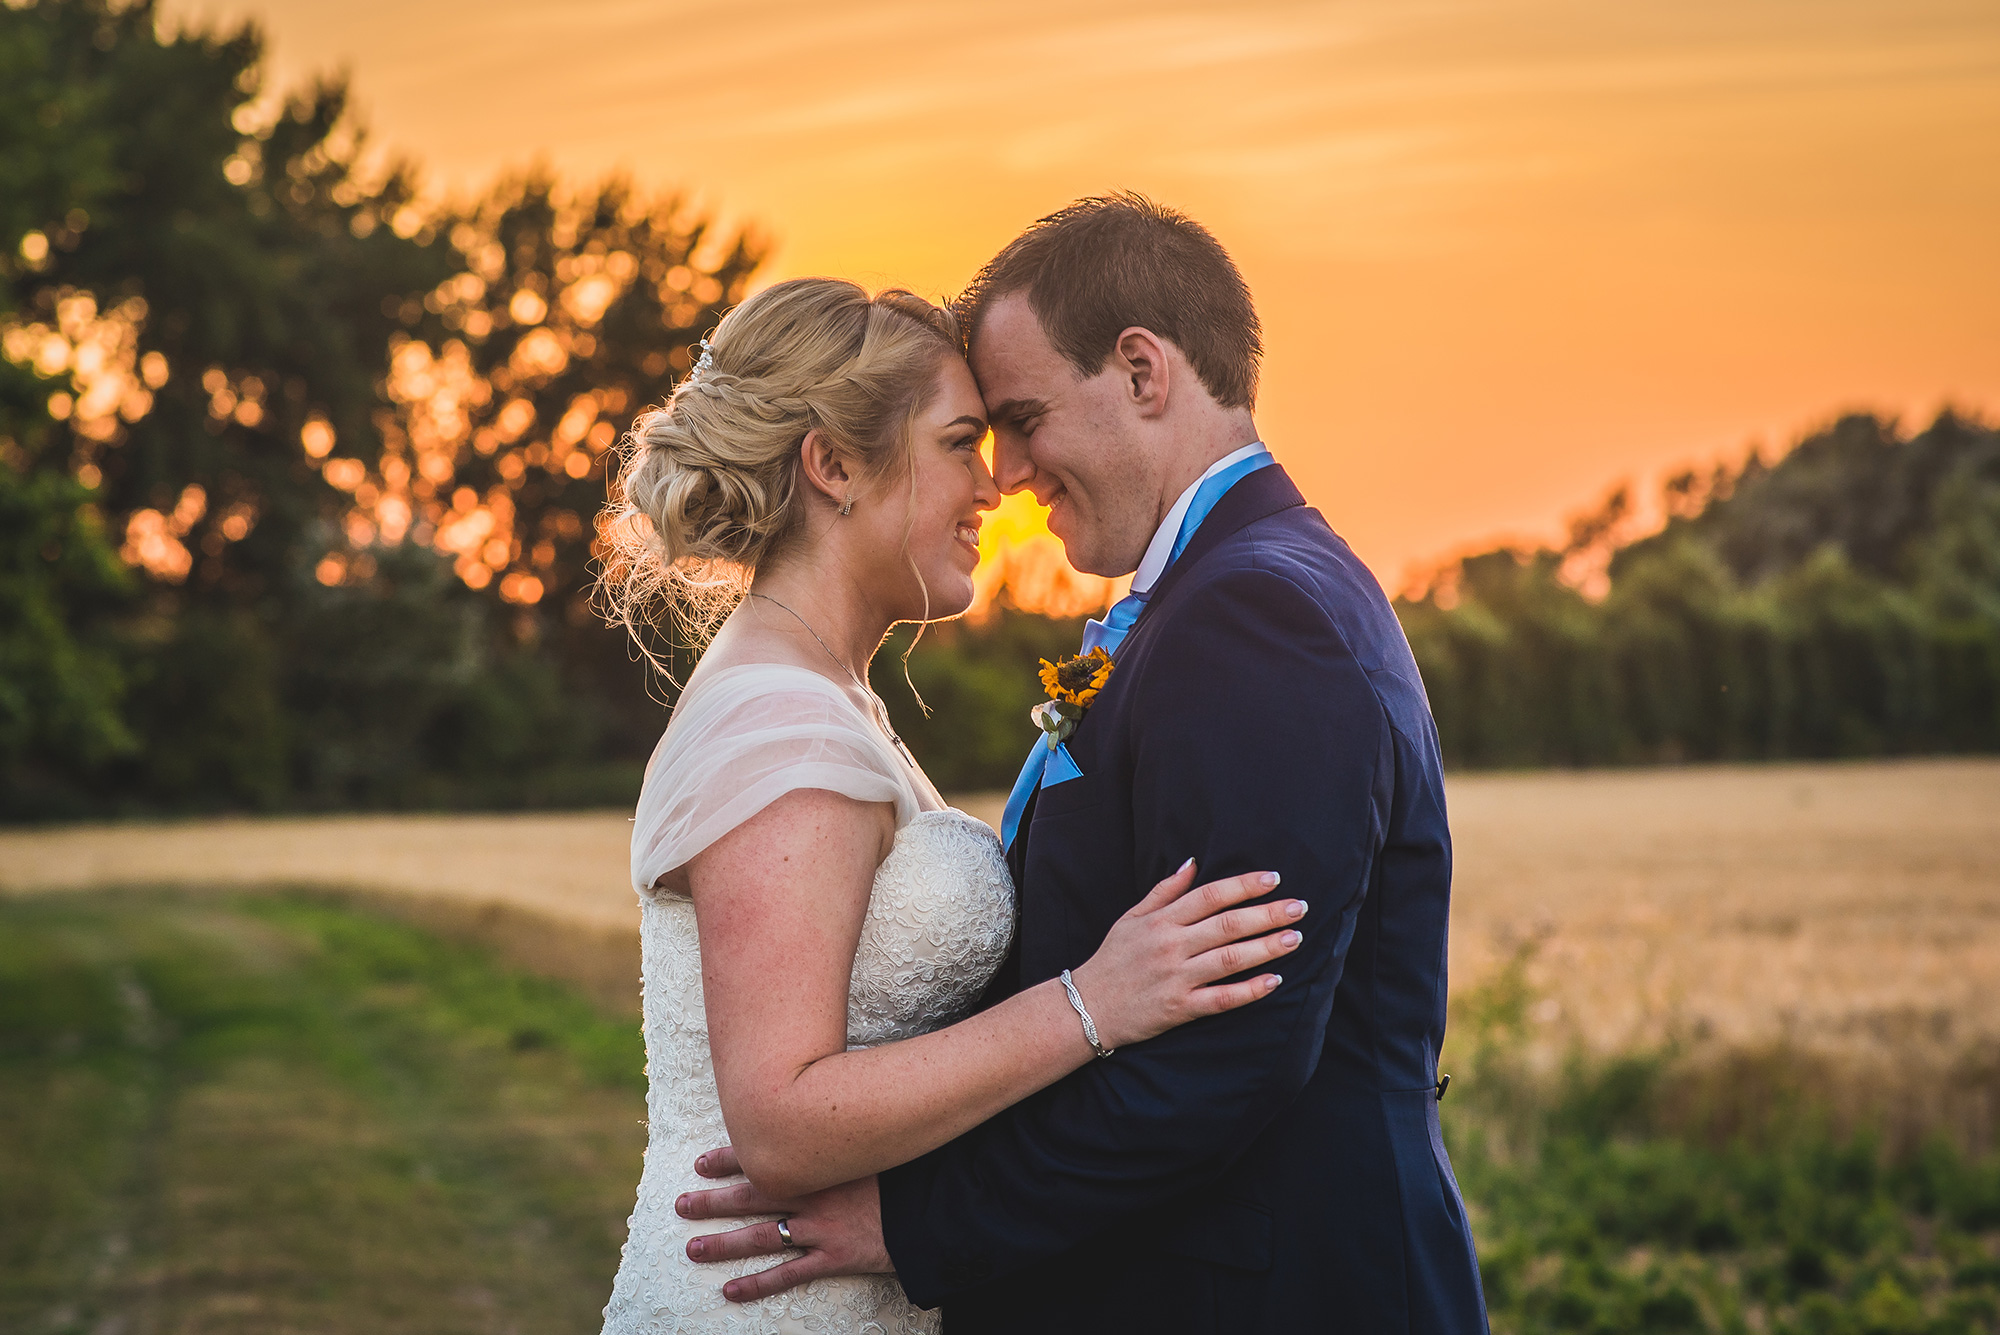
(939, 922)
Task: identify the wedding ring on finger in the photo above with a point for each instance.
(785, 1232)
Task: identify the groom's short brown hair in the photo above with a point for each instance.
(1104, 264)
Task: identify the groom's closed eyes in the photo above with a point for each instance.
(1018, 415)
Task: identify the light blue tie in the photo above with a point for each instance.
(1109, 633)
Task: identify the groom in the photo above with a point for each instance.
(1277, 1168)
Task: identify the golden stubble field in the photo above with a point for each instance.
(1849, 909)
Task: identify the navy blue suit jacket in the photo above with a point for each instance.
(1278, 1168)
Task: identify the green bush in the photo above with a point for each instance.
(62, 685)
(1637, 1193)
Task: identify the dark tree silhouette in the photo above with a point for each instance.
(289, 395)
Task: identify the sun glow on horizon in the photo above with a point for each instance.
(1019, 557)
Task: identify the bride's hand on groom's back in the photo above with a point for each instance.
(839, 1230)
(1162, 963)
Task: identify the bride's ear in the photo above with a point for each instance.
(826, 467)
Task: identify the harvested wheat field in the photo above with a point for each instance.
(1852, 909)
(1847, 908)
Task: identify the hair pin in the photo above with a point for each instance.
(706, 360)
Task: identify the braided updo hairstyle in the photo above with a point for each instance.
(709, 491)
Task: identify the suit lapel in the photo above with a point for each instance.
(1258, 496)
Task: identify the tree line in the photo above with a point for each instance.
(1844, 601)
(299, 474)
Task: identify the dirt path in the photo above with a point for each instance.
(571, 866)
(1845, 906)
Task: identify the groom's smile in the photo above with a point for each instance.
(1049, 500)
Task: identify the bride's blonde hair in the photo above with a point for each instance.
(709, 490)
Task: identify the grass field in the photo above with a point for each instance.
(1727, 1047)
(275, 1114)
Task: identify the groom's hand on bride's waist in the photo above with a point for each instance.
(834, 1232)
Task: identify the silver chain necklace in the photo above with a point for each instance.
(881, 710)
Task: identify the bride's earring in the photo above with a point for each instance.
(847, 506)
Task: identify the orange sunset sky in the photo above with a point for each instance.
(1508, 253)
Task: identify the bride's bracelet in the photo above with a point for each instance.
(1089, 1025)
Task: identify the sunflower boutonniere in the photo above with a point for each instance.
(1072, 684)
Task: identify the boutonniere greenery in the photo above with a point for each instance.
(1072, 684)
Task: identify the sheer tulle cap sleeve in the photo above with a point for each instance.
(744, 738)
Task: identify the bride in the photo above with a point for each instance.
(818, 925)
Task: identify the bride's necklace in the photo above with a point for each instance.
(881, 710)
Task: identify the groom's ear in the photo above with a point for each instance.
(1140, 357)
